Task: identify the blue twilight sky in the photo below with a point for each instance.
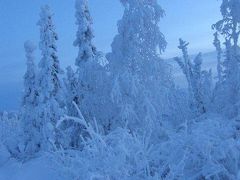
(189, 19)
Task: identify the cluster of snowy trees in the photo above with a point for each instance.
(122, 117)
(222, 96)
(132, 89)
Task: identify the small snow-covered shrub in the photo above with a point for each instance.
(120, 154)
(206, 148)
(10, 133)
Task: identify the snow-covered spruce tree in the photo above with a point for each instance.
(49, 83)
(229, 24)
(30, 122)
(141, 79)
(86, 53)
(229, 28)
(87, 88)
(84, 35)
(199, 81)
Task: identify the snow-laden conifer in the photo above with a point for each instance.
(84, 34)
(92, 74)
(49, 83)
(229, 28)
(199, 81)
(30, 122)
(88, 86)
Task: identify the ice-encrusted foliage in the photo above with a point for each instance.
(11, 135)
(218, 92)
(29, 119)
(88, 87)
(72, 85)
(229, 24)
(140, 78)
(84, 34)
(86, 58)
(228, 27)
(217, 44)
(49, 63)
(205, 148)
(49, 83)
(138, 34)
(122, 117)
(30, 91)
(117, 155)
(199, 81)
(68, 129)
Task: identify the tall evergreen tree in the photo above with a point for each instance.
(92, 75)
(229, 28)
(84, 35)
(87, 86)
(87, 52)
(30, 122)
(49, 110)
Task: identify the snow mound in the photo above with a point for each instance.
(37, 169)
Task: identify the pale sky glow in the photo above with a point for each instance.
(189, 19)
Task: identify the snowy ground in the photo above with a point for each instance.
(37, 169)
(14, 170)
